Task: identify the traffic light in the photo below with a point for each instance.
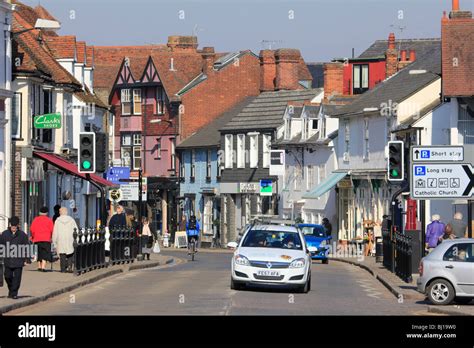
(86, 161)
(101, 152)
(396, 164)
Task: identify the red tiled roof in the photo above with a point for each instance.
(81, 51)
(37, 54)
(30, 15)
(62, 46)
(90, 56)
(43, 13)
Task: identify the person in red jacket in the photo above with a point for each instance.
(41, 234)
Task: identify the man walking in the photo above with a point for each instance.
(63, 239)
(459, 226)
(327, 226)
(41, 233)
(433, 231)
(118, 220)
(14, 238)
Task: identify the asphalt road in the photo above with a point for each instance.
(202, 287)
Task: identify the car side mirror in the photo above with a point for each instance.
(307, 251)
(232, 245)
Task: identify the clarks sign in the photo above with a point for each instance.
(48, 121)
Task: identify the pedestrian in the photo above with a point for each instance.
(192, 231)
(459, 226)
(434, 230)
(448, 234)
(56, 212)
(118, 220)
(13, 237)
(327, 226)
(63, 239)
(147, 238)
(41, 233)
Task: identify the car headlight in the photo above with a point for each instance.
(241, 260)
(298, 263)
(323, 243)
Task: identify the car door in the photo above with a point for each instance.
(458, 260)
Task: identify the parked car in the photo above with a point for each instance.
(447, 273)
(271, 255)
(317, 240)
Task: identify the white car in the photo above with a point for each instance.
(272, 255)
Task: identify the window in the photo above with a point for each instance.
(309, 178)
(462, 252)
(315, 124)
(347, 136)
(466, 124)
(287, 128)
(126, 140)
(16, 116)
(126, 102)
(240, 150)
(322, 172)
(137, 101)
(87, 127)
(361, 78)
(229, 148)
(158, 148)
(126, 156)
(219, 166)
(208, 164)
(267, 138)
(297, 178)
(182, 172)
(137, 139)
(160, 100)
(137, 157)
(366, 139)
(253, 150)
(193, 164)
(173, 154)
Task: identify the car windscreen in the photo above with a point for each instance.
(272, 239)
(316, 231)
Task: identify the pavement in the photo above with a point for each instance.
(38, 287)
(202, 287)
(401, 289)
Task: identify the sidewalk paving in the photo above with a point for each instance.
(37, 286)
(401, 289)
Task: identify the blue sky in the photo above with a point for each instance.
(321, 29)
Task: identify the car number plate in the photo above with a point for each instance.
(268, 273)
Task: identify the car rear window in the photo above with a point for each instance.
(272, 239)
(316, 231)
(462, 252)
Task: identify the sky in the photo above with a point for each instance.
(320, 29)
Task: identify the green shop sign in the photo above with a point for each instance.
(48, 121)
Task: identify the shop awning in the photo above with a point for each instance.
(70, 168)
(326, 185)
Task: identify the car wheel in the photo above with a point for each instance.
(463, 300)
(441, 292)
(325, 261)
(235, 285)
(306, 287)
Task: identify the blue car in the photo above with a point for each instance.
(317, 240)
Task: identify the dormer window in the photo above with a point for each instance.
(360, 78)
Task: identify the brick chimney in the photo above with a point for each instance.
(287, 63)
(267, 70)
(177, 43)
(333, 79)
(457, 13)
(209, 56)
(391, 57)
(412, 55)
(403, 55)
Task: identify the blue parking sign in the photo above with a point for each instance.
(425, 153)
(420, 170)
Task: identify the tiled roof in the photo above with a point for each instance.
(37, 55)
(266, 111)
(30, 15)
(421, 47)
(81, 51)
(209, 135)
(395, 89)
(43, 13)
(90, 56)
(62, 46)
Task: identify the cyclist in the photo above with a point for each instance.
(192, 231)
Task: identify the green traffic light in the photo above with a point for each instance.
(86, 165)
(394, 173)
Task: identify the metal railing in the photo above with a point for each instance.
(89, 250)
(123, 245)
(403, 257)
(387, 250)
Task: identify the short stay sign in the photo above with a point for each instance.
(48, 121)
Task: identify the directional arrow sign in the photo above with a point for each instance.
(437, 153)
(441, 180)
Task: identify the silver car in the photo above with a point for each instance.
(447, 273)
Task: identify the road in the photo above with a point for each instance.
(202, 288)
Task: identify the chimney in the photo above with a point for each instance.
(333, 79)
(287, 63)
(177, 43)
(403, 54)
(209, 55)
(391, 57)
(267, 70)
(457, 13)
(412, 55)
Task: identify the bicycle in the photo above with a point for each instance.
(193, 247)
